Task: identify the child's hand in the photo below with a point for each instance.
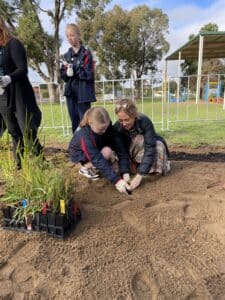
(69, 71)
(122, 186)
(135, 182)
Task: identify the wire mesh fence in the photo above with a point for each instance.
(167, 101)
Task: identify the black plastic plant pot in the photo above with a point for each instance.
(43, 222)
(36, 222)
(51, 223)
(12, 211)
(21, 225)
(8, 222)
(51, 219)
(60, 220)
(14, 224)
(6, 212)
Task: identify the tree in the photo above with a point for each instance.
(113, 43)
(27, 18)
(189, 67)
(128, 42)
(147, 40)
(209, 27)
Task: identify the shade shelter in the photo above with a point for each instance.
(205, 45)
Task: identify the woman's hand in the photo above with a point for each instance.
(135, 182)
(126, 177)
(122, 186)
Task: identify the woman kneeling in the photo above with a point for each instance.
(148, 151)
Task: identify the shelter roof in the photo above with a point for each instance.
(213, 47)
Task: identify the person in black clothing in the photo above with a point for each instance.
(18, 106)
(148, 151)
(77, 71)
(93, 145)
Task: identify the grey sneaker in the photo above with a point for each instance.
(89, 173)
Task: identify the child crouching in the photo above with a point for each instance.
(95, 144)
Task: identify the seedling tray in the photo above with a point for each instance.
(56, 225)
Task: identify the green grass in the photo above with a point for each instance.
(183, 123)
(196, 134)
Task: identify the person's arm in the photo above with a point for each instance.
(97, 159)
(149, 153)
(85, 70)
(118, 145)
(63, 71)
(149, 147)
(19, 58)
(64, 58)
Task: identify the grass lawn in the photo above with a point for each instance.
(180, 123)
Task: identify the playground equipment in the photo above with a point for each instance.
(183, 96)
(213, 91)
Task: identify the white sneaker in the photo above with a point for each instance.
(89, 173)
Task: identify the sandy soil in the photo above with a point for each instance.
(165, 241)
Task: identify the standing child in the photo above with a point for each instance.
(148, 150)
(78, 73)
(93, 145)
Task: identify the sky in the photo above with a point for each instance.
(185, 18)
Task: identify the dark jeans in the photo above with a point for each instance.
(76, 111)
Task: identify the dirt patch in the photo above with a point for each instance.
(165, 241)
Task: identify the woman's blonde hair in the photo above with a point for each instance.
(128, 106)
(5, 33)
(73, 27)
(97, 115)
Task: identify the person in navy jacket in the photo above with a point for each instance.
(94, 144)
(148, 150)
(77, 71)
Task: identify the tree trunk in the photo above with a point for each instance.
(138, 89)
(54, 94)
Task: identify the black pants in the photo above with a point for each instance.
(76, 111)
(2, 126)
(21, 125)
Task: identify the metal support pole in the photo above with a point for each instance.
(200, 54)
(178, 81)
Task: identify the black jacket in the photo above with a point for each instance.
(87, 145)
(20, 92)
(83, 78)
(143, 125)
